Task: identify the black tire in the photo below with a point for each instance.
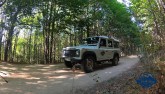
(68, 64)
(88, 64)
(115, 60)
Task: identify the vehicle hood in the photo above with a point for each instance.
(80, 47)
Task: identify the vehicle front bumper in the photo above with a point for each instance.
(72, 59)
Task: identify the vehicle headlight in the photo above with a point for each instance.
(78, 53)
(63, 53)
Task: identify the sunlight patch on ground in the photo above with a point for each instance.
(4, 73)
(31, 83)
(20, 75)
(7, 68)
(47, 73)
(33, 78)
(4, 88)
(25, 69)
(41, 82)
(132, 56)
(61, 71)
(47, 67)
(30, 66)
(53, 65)
(58, 77)
(42, 69)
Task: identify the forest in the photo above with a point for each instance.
(35, 31)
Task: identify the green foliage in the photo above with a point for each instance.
(50, 25)
(150, 17)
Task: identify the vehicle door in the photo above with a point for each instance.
(110, 48)
(103, 50)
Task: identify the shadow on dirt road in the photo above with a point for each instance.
(55, 79)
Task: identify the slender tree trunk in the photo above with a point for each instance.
(51, 30)
(29, 46)
(46, 35)
(8, 47)
(75, 37)
(54, 56)
(14, 48)
(87, 25)
(80, 36)
(51, 41)
(0, 45)
(46, 48)
(35, 46)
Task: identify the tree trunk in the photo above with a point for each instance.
(155, 20)
(162, 3)
(8, 47)
(87, 25)
(35, 46)
(15, 46)
(29, 46)
(0, 44)
(46, 35)
(51, 25)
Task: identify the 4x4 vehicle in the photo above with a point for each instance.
(93, 51)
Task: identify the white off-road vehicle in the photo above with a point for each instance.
(93, 51)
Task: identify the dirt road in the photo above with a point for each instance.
(56, 79)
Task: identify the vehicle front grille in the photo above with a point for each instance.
(70, 53)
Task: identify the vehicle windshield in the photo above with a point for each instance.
(92, 41)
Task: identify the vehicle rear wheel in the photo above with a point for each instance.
(68, 64)
(88, 64)
(115, 60)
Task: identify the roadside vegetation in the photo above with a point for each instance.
(125, 83)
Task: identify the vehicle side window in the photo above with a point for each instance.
(116, 44)
(110, 43)
(103, 43)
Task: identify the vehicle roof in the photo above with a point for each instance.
(107, 37)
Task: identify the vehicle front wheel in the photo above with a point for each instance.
(68, 64)
(115, 60)
(88, 64)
